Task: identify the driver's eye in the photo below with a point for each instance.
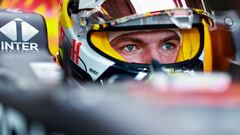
(168, 46)
(129, 48)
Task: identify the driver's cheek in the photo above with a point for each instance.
(143, 58)
(140, 58)
(146, 57)
(167, 57)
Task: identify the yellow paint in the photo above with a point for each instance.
(65, 19)
(190, 44)
(100, 40)
(208, 64)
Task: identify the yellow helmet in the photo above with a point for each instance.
(114, 39)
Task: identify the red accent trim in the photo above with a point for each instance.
(62, 35)
(180, 3)
(175, 2)
(77, 51)
(73, 49)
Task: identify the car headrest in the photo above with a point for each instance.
(22, 32)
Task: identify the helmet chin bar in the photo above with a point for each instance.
(185, 68)
(182, 67)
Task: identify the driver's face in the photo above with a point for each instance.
(144, 46)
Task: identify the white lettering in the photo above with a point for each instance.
(2, 46)
(9, 46)
(14, 122)
(18, 46)
(25, 46)
(34, 46)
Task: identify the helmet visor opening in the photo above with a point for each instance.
(165, 45)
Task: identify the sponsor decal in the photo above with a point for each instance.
(18, 32)
(93, 71)
(75, 50)
(48, 8)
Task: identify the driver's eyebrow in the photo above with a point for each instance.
(126, 39)
(171, 37)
